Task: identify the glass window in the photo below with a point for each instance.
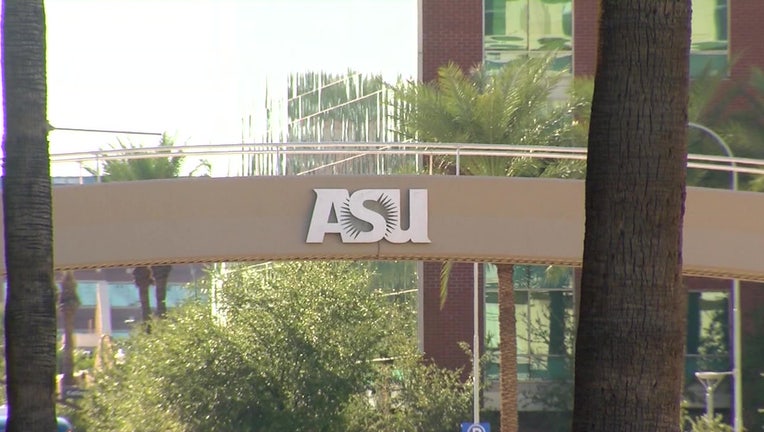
(708, 332)
(549, 25)
(86, 291)
(522, 319)
(709, 52)
(176, 295)
(544, 315)
(126, 295)
(123, 295)
(515, 28)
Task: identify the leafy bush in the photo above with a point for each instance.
(290, 346)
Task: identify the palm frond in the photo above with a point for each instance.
(510, 106)
(145, 165)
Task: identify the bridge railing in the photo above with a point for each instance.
(350, 158)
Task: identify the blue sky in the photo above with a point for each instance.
(195, 68)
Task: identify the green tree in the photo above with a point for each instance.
(631, 328)
(410, 394)
(510, 106)
(704, 424)
(30, 309)
(147, 165)
(290, 346)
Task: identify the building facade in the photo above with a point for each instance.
(726, 41)
(109, 303)
(725, 34)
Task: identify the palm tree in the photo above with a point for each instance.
(509, 106)
(160, 274)
(631, 329)
(143, 280)
(30, 309)
(151, 166)
(69, 303)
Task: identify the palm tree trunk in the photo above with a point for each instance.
(143, 279)
(161, 273)
(507, 348)
(30, 309)
(631, 332)
(69, 305)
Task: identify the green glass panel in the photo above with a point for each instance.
(176, 295)
(516, 24)
(123, 295)
(714, 324)
(709, 25)
(546, 368)
(490, 276)
(708, 342)
(551, 323)
(562, 62)
(539, 323)
(495, 17)
(523, 325)
(86, 291)
(491, 325)
(547, 26)
(709, 63)
(693, 322)
(544, 321)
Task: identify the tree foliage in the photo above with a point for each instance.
(410, 395)
(513, 105)
(290, 346)
(145, 165)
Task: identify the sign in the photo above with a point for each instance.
(368, 216)
(476, 427)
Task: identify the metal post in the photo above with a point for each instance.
(710, 380)
(737, 348)
(475, 347)
(458, 161)
(737, 354)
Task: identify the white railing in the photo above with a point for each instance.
(334, 158)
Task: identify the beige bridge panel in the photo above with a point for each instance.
(492, 219)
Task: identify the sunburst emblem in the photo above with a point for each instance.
(382, 205)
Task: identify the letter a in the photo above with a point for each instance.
(327, 201)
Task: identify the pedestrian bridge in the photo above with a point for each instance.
(297, 217)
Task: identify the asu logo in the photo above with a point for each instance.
(368, 216)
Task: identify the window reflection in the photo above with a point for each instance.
(708, 333)
(544, 314)
(515, 28)
(544, 311)
(125, 295)
(709, 51)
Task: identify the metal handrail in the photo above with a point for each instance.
(350, 149)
